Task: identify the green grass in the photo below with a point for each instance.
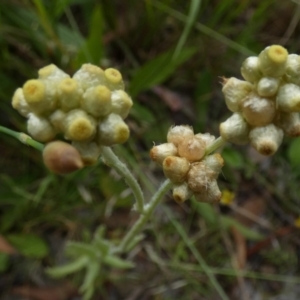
(182, 47)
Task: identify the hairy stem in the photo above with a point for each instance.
(219, 142)
(149, 208)
(23, 138)
(113, 161)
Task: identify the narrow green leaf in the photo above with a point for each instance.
(158, 70)
(116, 262)
(142, 113)
(76, 249)
(4, 262)
(29, 245)
(69, 268)
(60, 6)
(206, 211)
(293, 152)
(92, 50)
(233, 158)
(92, 271)
(194, 9)
(134, 242)
(43, 187)
(250, 234)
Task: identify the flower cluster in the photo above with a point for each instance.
(184, 162)
(265, 106)
(88, 109)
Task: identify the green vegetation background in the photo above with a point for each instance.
(172, 54)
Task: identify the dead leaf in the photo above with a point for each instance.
(6, 247)
(62, 292)
(240, 248)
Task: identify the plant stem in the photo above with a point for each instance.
(198, 256)
(219, 142)
(148, 210)
(23, 138)
(112, 160)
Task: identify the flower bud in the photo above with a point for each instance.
(97, 102)
(19, 103)
(181, 192)
(211, 194)
(258, 111)
(235, 129)
(215, 162)
(289, 123)
(160, 152)
(121, 103)
(52, 73)
(40, 129)
(61, 158)
(89, 152)
(288, 98)
(267, 86)
(235, 91)
(266, 140)
(114, 79)
(272, 61)
(292, 69)
(250, 69)
(200, 176)
(176, 168)
(177, 134)
(206, 137)
(113, 130)
(79, 126)
(89, 76)
(192, 148)
(69, 94)
(39, 97)
(57, 119)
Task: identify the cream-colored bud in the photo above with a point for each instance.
(182, 192)
(69, 94)
(235, 91)
(211, 194)
(177, 134)
(57, 119)
(40, 128)
(206, 137)
(250, 69)
(292, 69)
(192, 148)
(288, 98)
(79, 126)
(113, 130)
(114, 79)
(39, 96)
(160, 152)
(121, 103)
(176, 168)
(235, 129)
(215, 162)
(97, 101)
(272, 61)
(289, 123)
(61, 158)
(89, 152)
(52, 73)
(200, 176)
(89, 76)
(266, 140)
(258, 111)
(19, 103)
(267, 86)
